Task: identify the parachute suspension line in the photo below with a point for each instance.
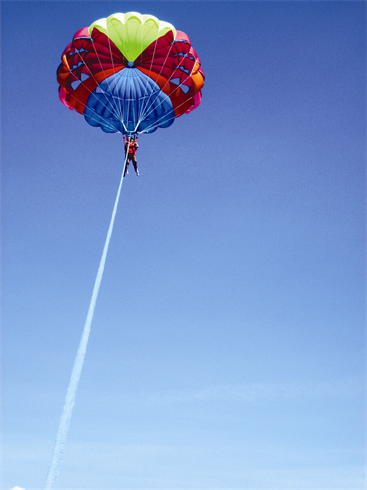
(94, 118)
(146, 84)
(117, 111)
(140, 101)
(119, 108)
(84, 105)
(118, 114)
(160, 72)
(91, 117)
(128, 111)
(157, 122)
(146, 97)
(91, 74)
(161, 88)
(111, 101)
(169, 95)
(78, 363)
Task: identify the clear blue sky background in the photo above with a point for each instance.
(228, 343)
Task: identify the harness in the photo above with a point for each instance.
(132, 148)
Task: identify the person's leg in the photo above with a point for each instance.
(126, 168)
(135, 163)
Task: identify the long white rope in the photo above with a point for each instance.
(79, 360)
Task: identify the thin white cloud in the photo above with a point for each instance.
(17, 488)
(256, 392)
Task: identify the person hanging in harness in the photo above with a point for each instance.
(131, 145)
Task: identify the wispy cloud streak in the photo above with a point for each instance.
(256, 392)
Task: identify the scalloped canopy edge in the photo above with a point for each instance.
(132, 32)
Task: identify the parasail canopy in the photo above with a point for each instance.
(130, 73)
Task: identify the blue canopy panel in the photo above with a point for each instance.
(129, 102)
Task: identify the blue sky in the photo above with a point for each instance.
(227, 349)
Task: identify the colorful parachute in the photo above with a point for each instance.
(130, 73)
